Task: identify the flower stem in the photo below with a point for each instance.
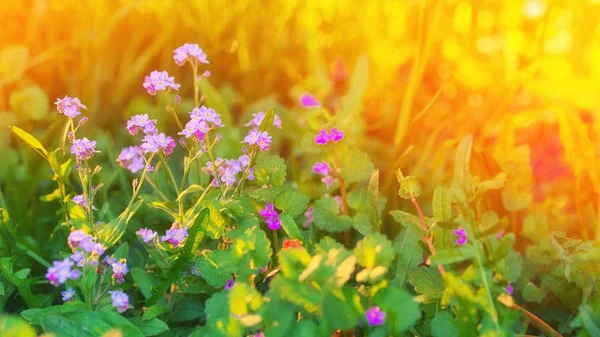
(196, 84)
(215, 166)
(538, 322)
(428, 239)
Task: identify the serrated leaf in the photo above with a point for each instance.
(453, 255)
(151, 327)
(407, 219)
(356, 166)
(531, 293)
(291, 202)
(427, 281)
(327, 216)
(402, 312)
(270, 171)
(442, 206)
(208, 264)
(374, 250)
(443, 325)
(504, 246)
(410, 254)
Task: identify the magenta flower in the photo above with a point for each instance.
(83, 149)
(175, 236)
(61, 271)
(131, 158)
(259, 334)
(375, 316)
(70, 107)
(321, 168)
(191, 52)
(159, 80)
(147, 235)
(257, 118)
(309, 101)
(119, 270)
(309, 216)
(462, 236)
(158, 142)
(80, 200)
(500, 235)
(510, 289)
(120, 300)
(230, 284)
(68, 294)
(258, 138)
(324, 137)
(141, 123)
(271, 216)
(335, 135)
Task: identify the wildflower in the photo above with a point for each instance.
(80, 200)
(271, 216)
(191, 52)
(141, 123)
(61, 271)
(70, 107)
(76, 237)
(291, 244)
(309, 101)
(195, 271)
(147, 235)
(510, 289)
(109, 260)
(159, 80)
(258, 138)
(230, 284)
(83, 149)
(328, 181)
(196, 129)
(324, 137)
(259, 334)
(500, 235)
(119, 270)
(335, 135)
(462, 236)
(175, 236)
(158, 142)
(120, 300)
(131, 158)
(257, 119)
(68, 294)
(375, 316)
(321, 168)
(207, 114)
(78, 258)
(309, 216)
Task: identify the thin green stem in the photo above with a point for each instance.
(276, 242)
(488, 292)
(196, 84)
(214, 162)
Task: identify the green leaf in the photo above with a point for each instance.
(279, 318)
(513, 267)
(442, 206)
(291, 202)
(35, 316)
(356, 166)
(442, 325)
(340, 310)
(410, 254)
(30, 140)
(111, 233)
(409, 220)
(504, 247)
(268, 120)
(191, 189)
(461, 166)
(361, 223)
(270, 171)
(155, 311)
(122, 252)
(452, 255)
(374, 250)
(590, 320)
(14, 326)
(150, 327)
(427, 281)
(2, 293)
(327, 216)
(213, 99)
(218, 317)
(373, 201)
(290, 227)
(402, 312)
(251, 251)
(88, 324)
(208, 263)
(145, 281)
(531, 293)
(186, 310)
(55, 195)
(195, 237)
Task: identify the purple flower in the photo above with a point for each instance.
(375, 316)
(147, 235)
(328, 181)
(271, 216)
(500, 235)
(159, 80)
(61, 271)
(80, 200)
(273, 223)
(257, 118)
(258, 138)
(309, 216)
(510, 289)
(207, 114)
(109, 260)
(83, 148)
(462, 236)
(309, 101)
(158, 142)
(335, 135)
(195, 271)
(324, 137)
(78, 258)
(175, 236)
(259, 334)
(321, 168)
(141, 123)
(191, 52)
(76, 237)
(120, 300)
(119, 270)
(70, 107)
(230, 283)
(68, 294)
(131, 158)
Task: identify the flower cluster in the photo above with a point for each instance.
(143, 123)
(61, 271)
(70, 107)
(87, 243)
(375, 316)
(258, 117)
(83, 149)
(271, 216)
(131, 158)
(147, 235)
(175, 236)
(120, 300)
(202, 120)
(158, 143)
(258, 138)
(228, 169)
(324, 169)
(159, 81)
(189, 52)
(119, 269)
(461, 233)
(324, 137)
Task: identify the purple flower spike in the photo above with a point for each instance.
(191, 52)
(309, 101)
(271, 216)
(175, 236)
(230, 284)
(158, 142)
(120, 300)
(375, 316)
(322, 137)
(258, 138)
(309, 216)
(462, 236)
(147, 235)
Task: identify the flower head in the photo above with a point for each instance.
(191, 52)
(159, 80)
(462, 236)
(78, 258)
(258, 138)
(230, 284)
(309, 216)
(119, 270)
(324, 137)
(68, 294)
(158, 142)
(131, 158)
(76, 237)
(61, 271)
(271, 216)
(109, 260)
(70, 107)
(321, 168)
(83, 148)
(309, 101)
(141, 123)
(375, 316)
(175, 236)
(120, 300)
(258, 117)
(147, 235)
(80, 200)
(195, 270)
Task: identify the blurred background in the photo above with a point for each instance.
(415, 76)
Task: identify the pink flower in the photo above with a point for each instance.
(175, 236)
(462, 236)
(510, 289)
(80, 200)
(147, 235)
(271, 216)
(324, 137)
(258, 138)
(70, 107)
(321, 168)
(309, 216)
(335, 135)
(328, 181)
(131, 158)
(230, 284)
(143, 123)
(83, 148)
(309, 101)
(191, 52)
(159, 80)
(375, 316)
(76, 237)
(158, 142)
